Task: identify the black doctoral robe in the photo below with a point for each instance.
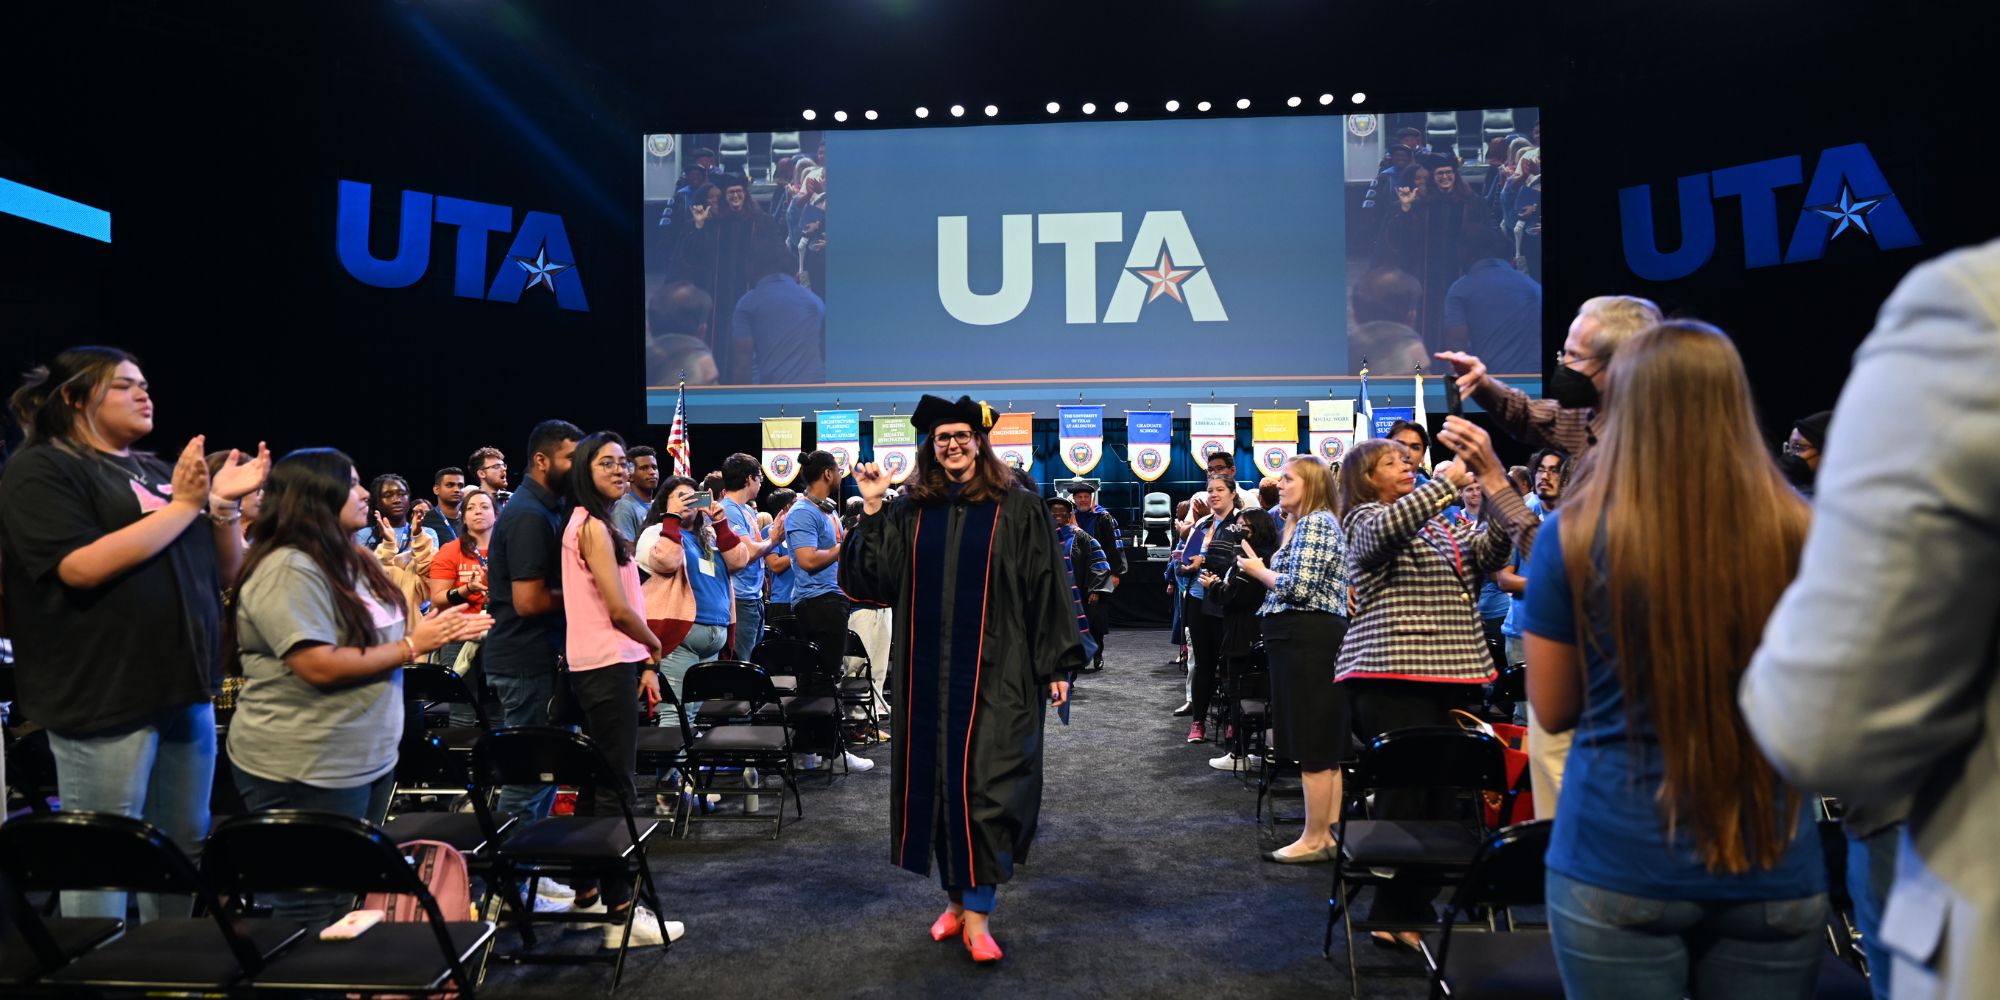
(983, 624)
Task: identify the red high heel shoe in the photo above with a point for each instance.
(947, 924)
(983, 948)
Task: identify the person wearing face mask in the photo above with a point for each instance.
(1799, 458)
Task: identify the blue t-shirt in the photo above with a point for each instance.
(747, 583)
(713, 604)
(809, 527)
(781, 583)
(1517, 604)
(1609, 831)
(1501, 309)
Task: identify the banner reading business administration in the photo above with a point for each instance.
(1081, 434)
(1148, 436)
(1330, 422)
(839, 432)
(1211, 428)
(1274, 438)
(784, 438)
(896, 447)
(1013, 438)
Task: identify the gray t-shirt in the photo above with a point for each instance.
(287, 729)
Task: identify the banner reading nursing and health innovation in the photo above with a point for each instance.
(839, 432)
(1148, 436)
(1330, 422)
(1274, 438)
(1081, 434)
(1211, 428)
(784, 438)
(1013, 439)
(895, 447)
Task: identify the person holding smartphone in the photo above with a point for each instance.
(688, 602)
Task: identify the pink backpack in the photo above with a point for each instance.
(442, 870)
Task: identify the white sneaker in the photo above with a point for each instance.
(857, 763)
(1230, 762)
(553, 889)
(645, 930)
(544, 904)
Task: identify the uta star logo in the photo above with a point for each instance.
(1848, 212)
(540, 270)
(1165, 278)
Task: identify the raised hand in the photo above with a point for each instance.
(191, 474)
(870, 481)
(1471, 371)
(238, 477)
(1455, 473)
(1405, 197)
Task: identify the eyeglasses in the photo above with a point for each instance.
(952, 437)
(1791, 447)
(1567, 357)
(502, 466)
(609, 464)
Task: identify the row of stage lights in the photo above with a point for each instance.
(993, 110)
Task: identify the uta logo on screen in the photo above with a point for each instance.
(1163, 262)
(539, 257)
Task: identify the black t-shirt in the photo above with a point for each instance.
(90, 661)
(527, 545)
(435, 520)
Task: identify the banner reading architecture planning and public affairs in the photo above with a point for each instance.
(1330, 422)
(784, 438)
(1081, 435)
(1013, 438)
(839, 432)
(1211, 428)
(1274, 438)
(895, 447)
(1149, 434)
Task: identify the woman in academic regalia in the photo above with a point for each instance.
(988, 636)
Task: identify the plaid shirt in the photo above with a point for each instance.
(1311, 569)
(1415, 576)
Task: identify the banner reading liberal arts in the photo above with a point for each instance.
(839, 432)
(1211, 428)
(896, 447)
(1148, 435)
(1081, 435)
(784, 438)
(1013, 439)
(1274, 438)
(1331, 424)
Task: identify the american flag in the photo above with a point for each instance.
(677, 437)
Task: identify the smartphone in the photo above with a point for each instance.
(352, 926)
(1453, 403)
(701, 501)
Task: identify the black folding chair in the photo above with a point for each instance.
(432, 799)
(1433, 850)
(561, 847)
(33, 945)
(86, 851)
(785, 659)
(757, 737)
(299, 851)
(856, 689)
(435, 685)
(1519, 964)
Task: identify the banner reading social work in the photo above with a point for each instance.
(1013, 438)
(1386, 417)
(896, 447)
(1211, 428)
(1148, 436)
(1081, 435)
(784, 438)
(1274, 438)
(839, 432)
(1330, 422)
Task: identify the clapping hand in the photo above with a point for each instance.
(239, 477)
(190, 483)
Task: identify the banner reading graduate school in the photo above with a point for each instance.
(784, 438)
(1211, 428)
(895, 447)
(1148, 436)
(1274, 438)
(839, 431)
(1013, 438)
(1330, 422)
(1081, 434)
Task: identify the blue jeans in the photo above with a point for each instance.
(1609, 944)
(1871, 871)
(749, 626)
(703, 643)
(159, 769)
(367, 802)
(524, 688)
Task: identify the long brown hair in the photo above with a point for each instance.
(1319, 491)
(1355, 489)
(302, 503)
(1689, 591)
(991, 478)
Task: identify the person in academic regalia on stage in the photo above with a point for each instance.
(987, 640)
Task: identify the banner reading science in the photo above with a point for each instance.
(1211, 428)
(1081, 437)
(1013, 439)
(1148, 435)
(896, 447)
(839, 432)
(784, 438)
(1274, 438)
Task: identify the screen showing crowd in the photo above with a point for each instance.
(1036, 262)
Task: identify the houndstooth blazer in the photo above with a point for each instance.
(1414, 577)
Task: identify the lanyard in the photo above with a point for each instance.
(1457, 557)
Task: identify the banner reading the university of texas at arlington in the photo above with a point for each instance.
(1081, 434)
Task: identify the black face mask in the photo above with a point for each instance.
(1796, 470)
(1570, 390)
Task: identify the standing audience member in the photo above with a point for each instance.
(114, 563)
(1494, 603)
(389, 502)
(1099, 524)
(1877, 674)
(1681, 864)
(1203, 615)
(323, 635)
(1800, 457)
(489, 473)
(457, 576)
(778, 564)
(628, 515)
(448, 488)
(814, 537)
(250, 507)
(742, 480)
(688, 603)
(1240, 596)
(1177, 588)
(1417, 442)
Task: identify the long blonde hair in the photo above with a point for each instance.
(1689, 586)
(1317, 480)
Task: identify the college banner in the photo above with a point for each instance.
(895, 447)
(1148, 436)
(784, 438)
(1013, 438)
(1274, 438)
(1386, 417)
(1211, 428)
(839, 431)
(1330, 422)
(1081, 434)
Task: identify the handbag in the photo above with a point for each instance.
(1517, 804)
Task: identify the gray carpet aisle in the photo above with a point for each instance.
(1145, 881)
